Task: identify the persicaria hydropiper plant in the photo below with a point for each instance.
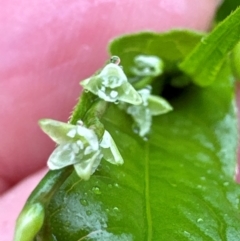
(175, 181)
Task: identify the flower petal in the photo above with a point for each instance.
(61, 157)
(158, 105)
(142, 118)
(58, 131)
(109, 150)
(88, 165)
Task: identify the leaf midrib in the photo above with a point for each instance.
(146, 193)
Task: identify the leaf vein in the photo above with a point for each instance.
(147, 197)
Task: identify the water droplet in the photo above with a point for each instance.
(116, 185)
(116, 102)
(115, 60)
(88, 212)
(115, 209)
(200, 220)
(84, 202)
(96, 190)
(110, 185)
(203, 40)
(187, 234)
(145, 138)
(86, 91)
(203, 178)
(113, 94)
(107, 210)
(225, 184)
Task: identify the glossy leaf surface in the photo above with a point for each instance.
(226, 8)
(178, 185)
(205, 61)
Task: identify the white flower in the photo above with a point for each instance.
(112, 85)
(79, 146)
(147, 65)
(151, 106)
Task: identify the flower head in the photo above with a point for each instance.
(112, 85)
(79, 146)
(151, 106)
(147, 65)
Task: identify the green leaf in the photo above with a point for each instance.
(226, 8)
(207, 58)
(235, 61)
(178, 185)
(171, 47)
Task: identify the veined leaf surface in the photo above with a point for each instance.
(179, 185)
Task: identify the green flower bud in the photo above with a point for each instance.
(29, 222)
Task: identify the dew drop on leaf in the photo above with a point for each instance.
(200, 220)
(187, 234)
(115, 209)
(84, 202)
(88, 212)
(225, 184)
(115, 60)
(96, 190)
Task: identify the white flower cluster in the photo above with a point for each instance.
(79, 146)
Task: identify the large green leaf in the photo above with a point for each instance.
(178, 185)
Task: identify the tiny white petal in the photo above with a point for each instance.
(85, 82)
(88, 150)
(101, 94)
(158, 105)
(109, 150)
(89, 135)
(66, 146)
(75, 148)
(80, 122)
(61, 157)
(56, 130)
(88, 166)
(80, 144)
(72, 133)
(103, 88)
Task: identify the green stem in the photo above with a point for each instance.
(93, 116)
(85, 102)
